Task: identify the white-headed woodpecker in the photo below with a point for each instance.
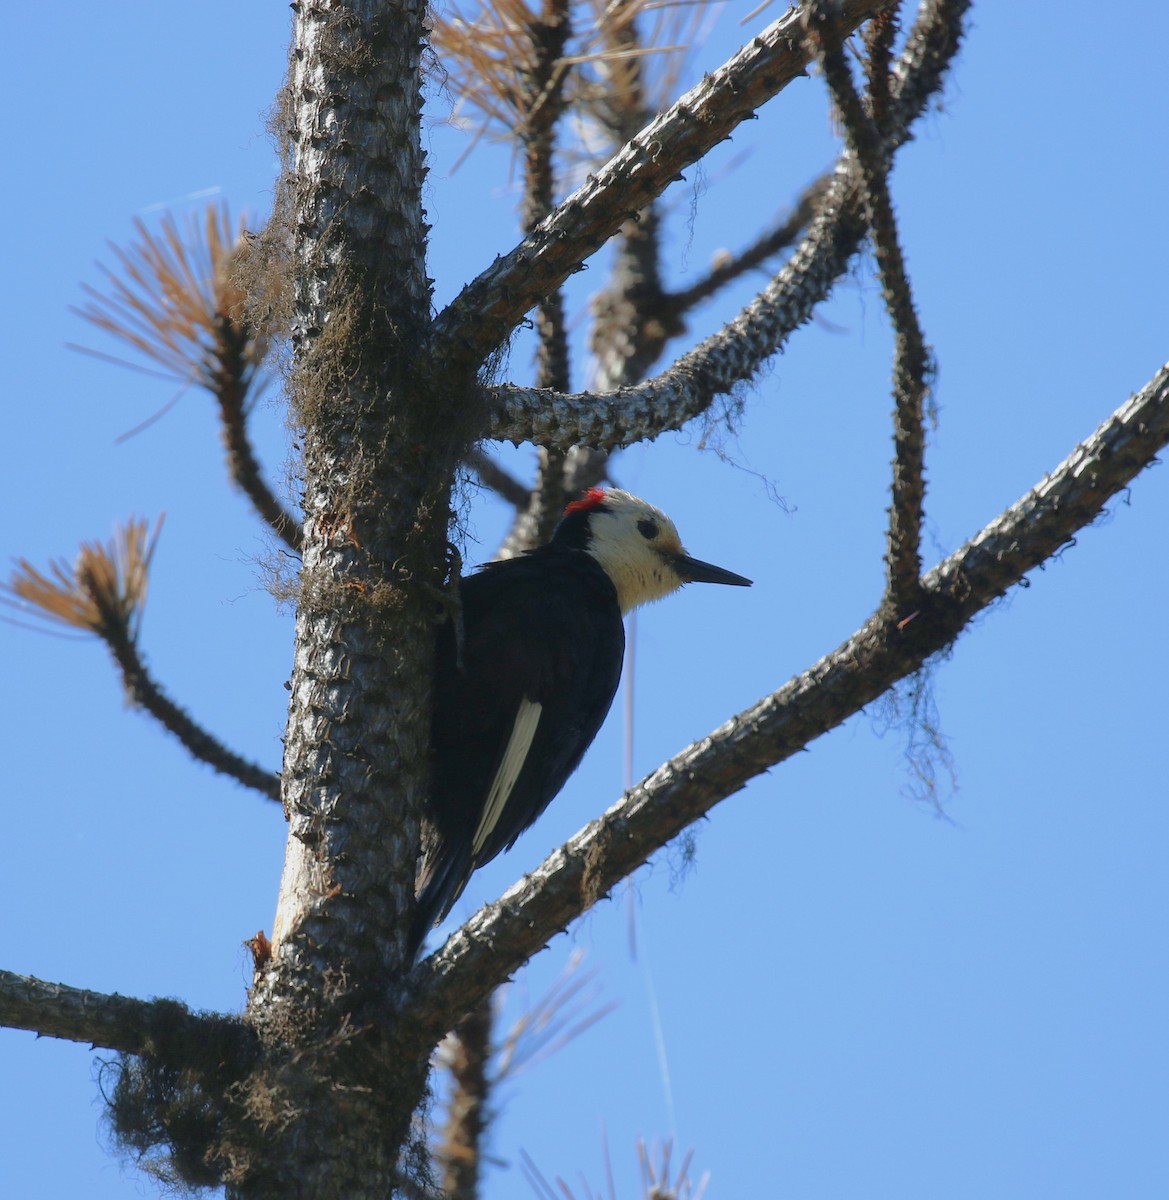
(517, 704)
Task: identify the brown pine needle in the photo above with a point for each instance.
(171, 293)
(487, 50)
(103, 592)
(568, 1008)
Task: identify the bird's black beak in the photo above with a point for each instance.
(694, 570)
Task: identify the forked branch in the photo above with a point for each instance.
(483, 315)
(911, 357)
(735, 353)
(503, 935)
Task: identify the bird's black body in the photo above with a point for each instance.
(544, 628)
(520, 696)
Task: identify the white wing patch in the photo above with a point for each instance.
(514, 757)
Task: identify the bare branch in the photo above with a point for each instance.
(145, 691)
(487, 309)
(534, 523)
(912, 363)
(468, 1054)
(879, 37)
(633, 317)
(114, 1022)
(503, 935)
(541, 87)
(493, 476)
(585, 468)
(930, 48)
(230, 391)
(715, 366)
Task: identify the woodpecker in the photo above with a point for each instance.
(520, 695)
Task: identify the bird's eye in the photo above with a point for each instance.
(648, 529)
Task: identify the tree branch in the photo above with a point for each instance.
(503, 935)
(485, 312)
(733, 354)
(493, 476)
(461, 1149)
(229, 385)
(104, 593)
(113, 1022)
(880, 34)
(631, 318)
(542, 88)
(145, 691)
(542, 98)
(912, 364)
(715, 366)
(930, 48)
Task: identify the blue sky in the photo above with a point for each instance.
(845, 995)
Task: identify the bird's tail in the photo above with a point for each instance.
(441, 880)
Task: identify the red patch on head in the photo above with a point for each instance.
(593, 498)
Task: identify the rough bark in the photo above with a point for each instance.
(113, 1022)
(334, 1097)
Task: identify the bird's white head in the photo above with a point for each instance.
(637, 546)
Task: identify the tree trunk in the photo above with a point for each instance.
(333, 1100)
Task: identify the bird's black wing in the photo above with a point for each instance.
(542, 631)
